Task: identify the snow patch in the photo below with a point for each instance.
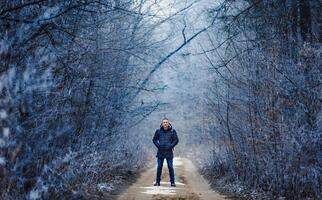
(159, 190)
(2, 161)
(177, 183)
(50, 12)
(2, 143)
(105, 186)
(5, 132)
(3, 114)
(4, 44)
(34, 194)
(69, 156)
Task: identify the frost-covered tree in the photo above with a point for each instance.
(265, 102)
(71, 74)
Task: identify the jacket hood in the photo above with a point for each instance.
(170, 126)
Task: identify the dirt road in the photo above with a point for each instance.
(190, 185)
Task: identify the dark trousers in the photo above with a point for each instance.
(170, 167)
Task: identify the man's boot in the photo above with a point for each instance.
(156, 184)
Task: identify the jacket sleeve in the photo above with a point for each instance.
(156, 139)
(175, 139)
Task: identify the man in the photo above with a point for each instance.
(165, 139)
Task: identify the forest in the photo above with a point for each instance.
(84, 84)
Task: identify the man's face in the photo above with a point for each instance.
(165, 124)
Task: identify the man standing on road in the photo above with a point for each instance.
(165, 139)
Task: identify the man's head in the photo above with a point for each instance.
(165, 123)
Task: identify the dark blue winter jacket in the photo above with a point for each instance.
(165, 141)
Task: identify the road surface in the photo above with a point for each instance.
(190, 184)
